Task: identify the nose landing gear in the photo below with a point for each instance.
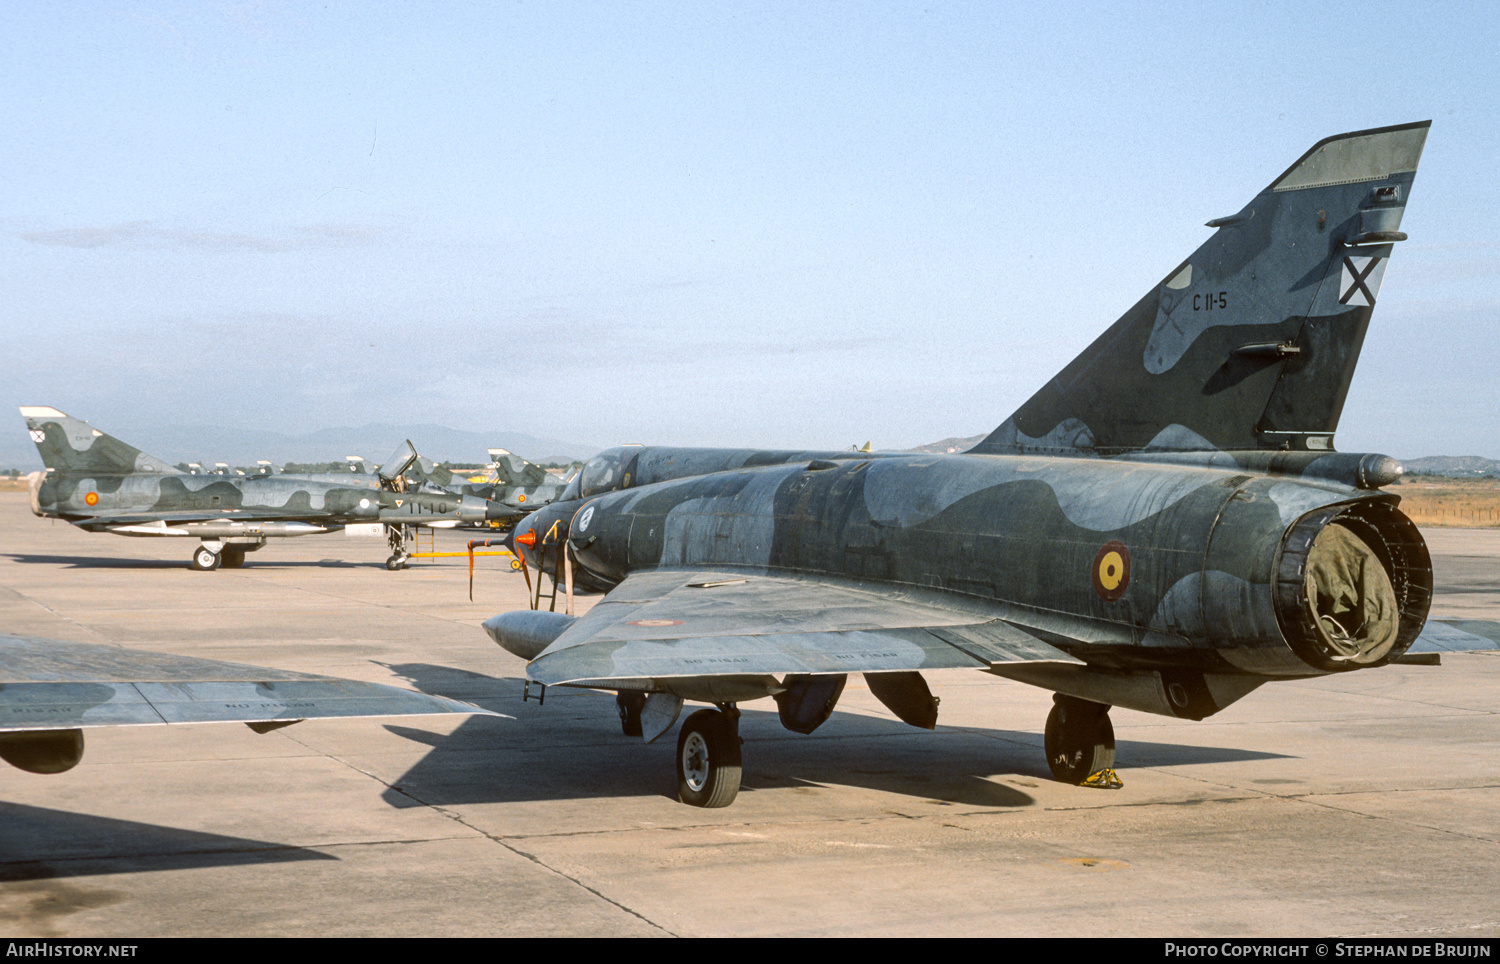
(396, 536)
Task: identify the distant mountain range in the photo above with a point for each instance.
(211, 443)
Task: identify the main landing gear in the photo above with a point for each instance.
(1080, 743)
(213, 553)
(630, 703)
(708, 758)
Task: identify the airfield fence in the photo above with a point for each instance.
(1460, 517)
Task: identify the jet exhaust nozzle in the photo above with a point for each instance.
(1353, 585)
(34, 487)
(471, 508)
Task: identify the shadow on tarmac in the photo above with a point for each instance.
(41, 844)
(456, 684)
(572, 748)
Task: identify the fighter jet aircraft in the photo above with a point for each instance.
(354, 471)
(51, 691)
(1164, 526)
(515, 483)
(101, 484)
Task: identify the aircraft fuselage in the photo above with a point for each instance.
(1150, 564)
(89, 500)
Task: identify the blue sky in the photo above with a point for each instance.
(763, 224)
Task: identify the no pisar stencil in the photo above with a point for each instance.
(1111, 570)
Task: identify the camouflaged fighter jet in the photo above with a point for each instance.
(510, 482)
(515, 483)
(101, 484)
(1165, 526)
(51, 691)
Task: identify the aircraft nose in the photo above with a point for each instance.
(521, 534)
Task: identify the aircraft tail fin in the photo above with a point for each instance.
(430, 471)
(71, 445)
(512, 469)
(1251, 342)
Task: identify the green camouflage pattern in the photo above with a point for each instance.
(101, 484)
(514, 483)
(1137, 534)
(51, 690)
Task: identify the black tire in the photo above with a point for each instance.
(1079, 739)
(232, 558)
(708, 760)
(629, 703)
(395, 562)
(205, 559)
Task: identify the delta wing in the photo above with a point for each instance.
(673, 623)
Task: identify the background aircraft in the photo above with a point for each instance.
(513, 482)
(354, 471)
(101, 484)
(1164, 526)
(509, 480)
(51, 691)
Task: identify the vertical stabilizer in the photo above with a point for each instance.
(511, 469)
(70, 445)
(1251, 342)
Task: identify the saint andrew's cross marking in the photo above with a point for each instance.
(1361, 279)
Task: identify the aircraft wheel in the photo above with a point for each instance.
(232, 558)
(515, 565)
(1079, 740)
(629, 703)
(205, 559)
(396, 562)
(708, 760)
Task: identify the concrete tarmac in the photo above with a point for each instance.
(1360, 805)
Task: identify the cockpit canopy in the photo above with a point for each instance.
(604, 472)
(399, 462)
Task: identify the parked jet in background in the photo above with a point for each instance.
(509, 481)
(101, 484)
(513, 482)
(51, 691)
(1164, 526)
(355, 471)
